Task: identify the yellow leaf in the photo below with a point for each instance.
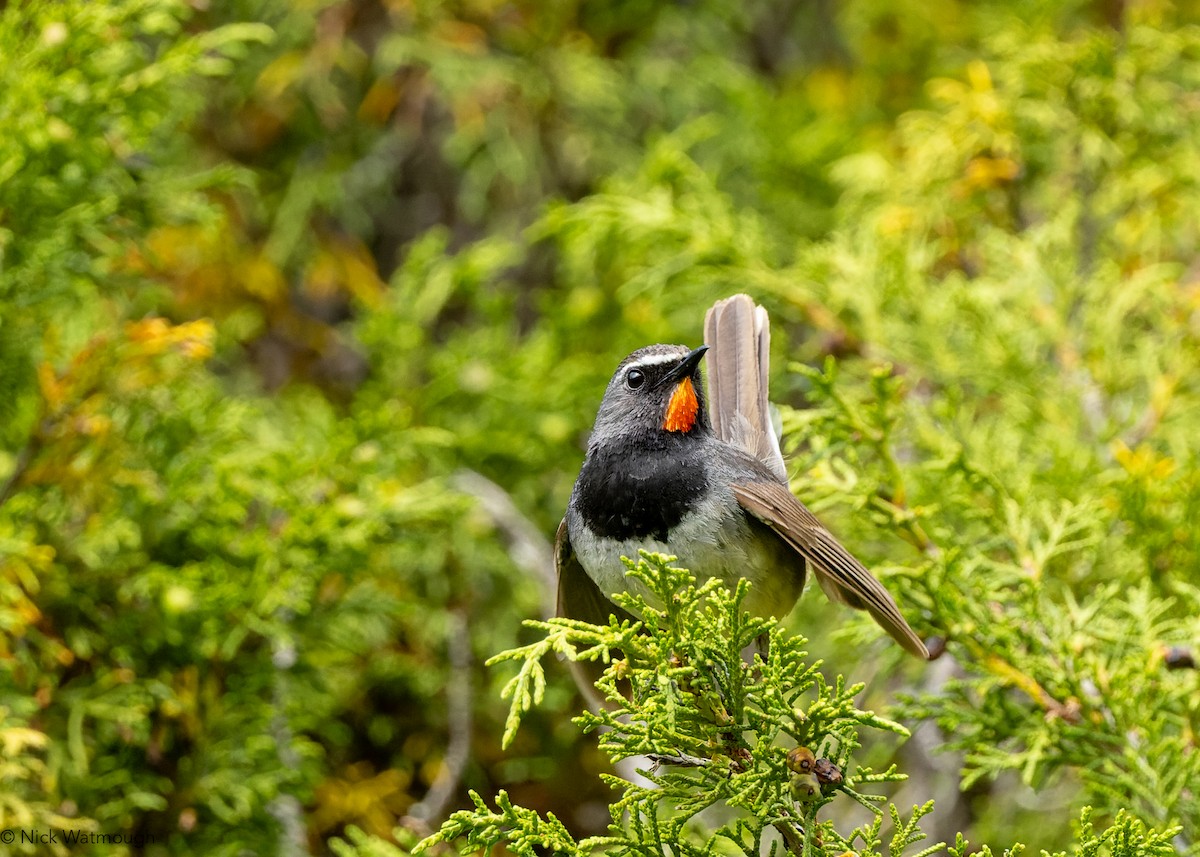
(463, 36)
(1142, 463)
(16, 739)
(279, 76)
(985, 172)
(51, 386)
(896, 219)
(1162, 393)
(195, 338)
(381, 99)
(946, 90)
(344, 267)
(260, 277)
(979, 76)
(150, 333)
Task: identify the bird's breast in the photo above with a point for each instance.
(686, 515)
(624, 493)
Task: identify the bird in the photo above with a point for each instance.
(707, 485)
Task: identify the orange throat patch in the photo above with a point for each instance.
(681, 410)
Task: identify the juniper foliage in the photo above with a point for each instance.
(737, 757)
(272, 273)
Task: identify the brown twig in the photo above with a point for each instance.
(458, 723)
(527, 547)
(529, 551)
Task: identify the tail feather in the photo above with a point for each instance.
(738, 335)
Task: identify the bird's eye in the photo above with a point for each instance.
(635, 378)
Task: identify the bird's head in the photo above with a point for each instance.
(655, 389)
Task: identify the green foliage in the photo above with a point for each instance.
(716, 729)
(92, 97)
(273, 274)
(712, 724)
(1031, 397)
(1127, 836)
(1042, 660)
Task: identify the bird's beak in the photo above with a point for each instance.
(684, 368)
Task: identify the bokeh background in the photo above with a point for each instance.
(306, 308)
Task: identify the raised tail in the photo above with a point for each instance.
(738, 335)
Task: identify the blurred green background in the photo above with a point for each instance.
(282, 282)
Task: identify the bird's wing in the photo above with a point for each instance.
(843, 578)
(578, 595)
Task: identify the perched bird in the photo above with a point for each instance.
(663, 474)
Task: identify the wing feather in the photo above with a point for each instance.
(842, 577)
